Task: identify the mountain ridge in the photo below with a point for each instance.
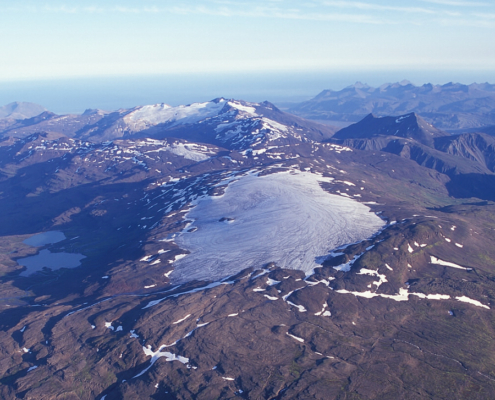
(220, 121)
(451, 106)
(453, 155)
(408, 126)
(19, 110)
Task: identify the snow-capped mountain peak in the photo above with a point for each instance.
(151, 115)
(229, 123)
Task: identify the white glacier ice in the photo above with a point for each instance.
(163, 113)
(286, 218)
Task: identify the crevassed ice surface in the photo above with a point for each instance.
(285, 217)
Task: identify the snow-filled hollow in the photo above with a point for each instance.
(286, 218)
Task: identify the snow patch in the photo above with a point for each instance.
(109, 326)
(435, 260)
(155, 355)
(181, 320)
(272, 282)
(403, 294)
(246, 109)
(323, 312)
(382, 278)
(300, 308)
(471, 301)
(134, 335)
(295, 337)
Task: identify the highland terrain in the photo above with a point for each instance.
(229, 249)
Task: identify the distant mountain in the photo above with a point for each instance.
(409, 136)
(489, 130)
(21, 110)
(477, 147)
(407, 126)
(451, 106)
(228, 123)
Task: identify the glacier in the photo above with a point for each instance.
(285, 217)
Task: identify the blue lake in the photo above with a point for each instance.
(42, 239)
(45, 258)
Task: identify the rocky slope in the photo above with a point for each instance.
(477, 147)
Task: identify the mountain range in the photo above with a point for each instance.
(228, 249)
(220, 121)
(20, 110)
(409, 136)
(452, 106)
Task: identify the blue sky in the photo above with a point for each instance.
(66, 39)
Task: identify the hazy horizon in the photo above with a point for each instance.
(64, 96)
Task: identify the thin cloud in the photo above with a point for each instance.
(93, 9)
(456, 3)
(267, 12)
(486, 16)
(354, 12)
(19, 9)
(453, 14)
(61, 9)
(222, 8)
(376, 7)
(128, 10)
(471, 23)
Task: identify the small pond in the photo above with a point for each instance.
(45, 258)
